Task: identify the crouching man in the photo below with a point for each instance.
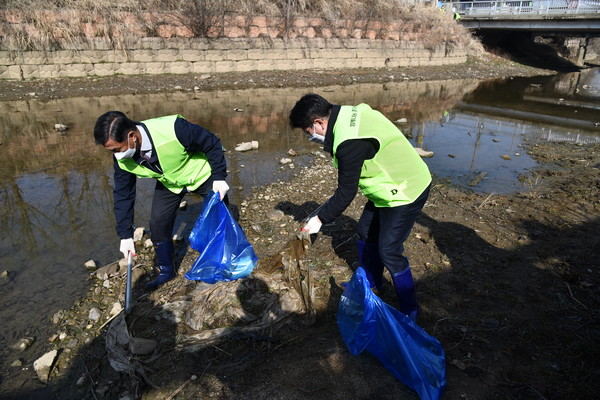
(372, 154)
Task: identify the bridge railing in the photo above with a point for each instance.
(523, 7)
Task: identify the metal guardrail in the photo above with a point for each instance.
(523, 7)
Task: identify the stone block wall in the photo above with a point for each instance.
(181, 55)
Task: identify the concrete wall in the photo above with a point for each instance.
(195, 55)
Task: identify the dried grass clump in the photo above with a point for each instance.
(56, 24)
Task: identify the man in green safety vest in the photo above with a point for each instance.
(371, 154)
(183, 157)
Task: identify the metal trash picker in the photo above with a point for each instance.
(128, 283)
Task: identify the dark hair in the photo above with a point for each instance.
(307, 109)
(112, 125)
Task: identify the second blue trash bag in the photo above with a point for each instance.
(225, 253)
(367, 323)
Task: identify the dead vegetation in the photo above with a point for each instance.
(66, 24)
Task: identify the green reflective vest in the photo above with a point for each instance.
(397, 175)
(180, 168)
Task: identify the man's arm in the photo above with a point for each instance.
(196, 139)
(350, 156)
(124, 201)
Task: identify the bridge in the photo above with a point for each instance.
(574, 20)
(537, 15)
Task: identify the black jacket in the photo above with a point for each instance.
(351, 155)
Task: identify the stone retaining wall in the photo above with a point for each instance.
(196, 55)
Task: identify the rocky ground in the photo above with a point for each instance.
(507, 283)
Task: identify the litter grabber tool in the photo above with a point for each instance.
(313, 214)
(128, 283)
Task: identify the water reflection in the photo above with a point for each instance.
(482, 136)
(56, 189)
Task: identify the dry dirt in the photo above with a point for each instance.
(507, 283)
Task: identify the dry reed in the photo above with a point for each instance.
(66, 24)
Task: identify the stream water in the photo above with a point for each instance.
(56, 188)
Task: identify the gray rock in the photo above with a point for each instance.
(101, 273)
(275, 215)
(60, 127)
(109, 270)
(80, 381)
(18, 363)
(424, 153)
(43, 365)
(138, 234)
(58, 316)
(90, 265)
(23, 343)
(245, 146)
(116, 308)
(94, 314)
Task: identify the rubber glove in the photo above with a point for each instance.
(127, 246)
(313, 225)
(222, 187)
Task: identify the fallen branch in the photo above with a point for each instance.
(179, 389)
(108, 320)
(485, 201)
(573, 297)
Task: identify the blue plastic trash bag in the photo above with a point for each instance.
(225, 253)
(414, 357)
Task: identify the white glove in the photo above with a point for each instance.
(126, 247)
(222, 187)
(313, 225)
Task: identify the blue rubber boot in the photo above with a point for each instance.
(368, 258)
(164, 253)
(405, 290)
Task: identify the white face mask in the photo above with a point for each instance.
(315, 137)
(129, 153)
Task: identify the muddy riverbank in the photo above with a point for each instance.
(487, 67)
(507, 283)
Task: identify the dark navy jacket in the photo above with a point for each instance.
(195, 139)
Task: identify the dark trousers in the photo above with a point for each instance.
(389, 227)
(165, 205)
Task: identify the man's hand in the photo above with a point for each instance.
(313, 225)
(126, 247)
(222, 187)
